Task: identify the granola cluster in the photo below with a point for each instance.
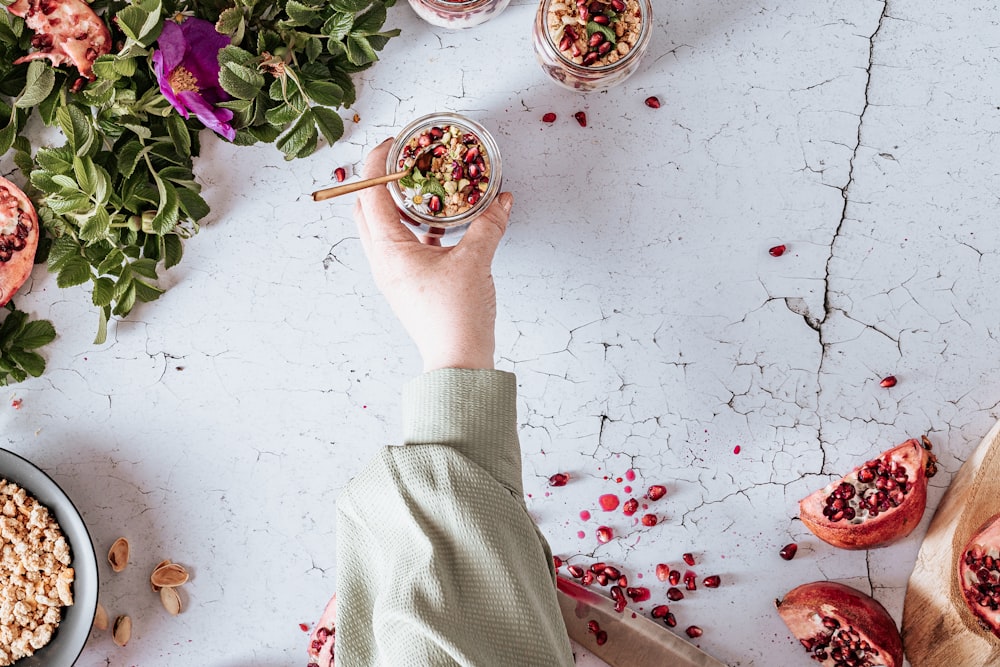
(35, 574)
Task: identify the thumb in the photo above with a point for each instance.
(485, 232)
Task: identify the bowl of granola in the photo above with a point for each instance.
(48, 570)
(459, 181)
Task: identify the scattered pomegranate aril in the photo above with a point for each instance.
(549, 117)
(788, 551)
(557, 561)
(875, 504)
(649, 519)
(689, 559)
(712, 581)
(612, 572)
(604, 534)
(340, 174)
(630, 507)
(689, 581)
(601, 637)
(588, 578)
(839, 625)
(674, 594)
(581, 118)
(598, 567)
(608, 502)
(670, 619)
(618, 5)
(662, 571)
(575, 571)
(593, 626)
(623, 581)
(979, 575)
(638, 594)
(777, 251)
(602, 579)
(656, 492)
(659, 611)
(602, 19)
(888, 381)
(559, 479)
(653, 102)
(674, 577)
(693, 631)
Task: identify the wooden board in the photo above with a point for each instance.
(938, 630)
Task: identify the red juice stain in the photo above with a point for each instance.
(303, 627)
(581, 534)
(618, 479)
(736, 449)
(609, 502)
(585, 515)
(630, 475)
(627, 489)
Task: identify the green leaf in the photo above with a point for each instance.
(370, 22)
(192, 204)
(229, 21)
(31, 362)
(104, 68)
(168, 213)
(102, 326)
(301, 134)
(313, 49)
(329, 123)
(97, 226)
(38, 84)
(145, 292)
(128, 158)
(325, 93)
(408, 182)
(350, 6)
(145, 267)
(103, 291)
(236, 55)
(299, 13)
(7, 134)
(86, 174)
(67, 184)
(57, 160)
(36, 334)
(61, 252)
(240, 81)
(141, 22)
(266, 133)
(173, 250)
(126, 301)
(112, 261)
(179, 134)
(432, 186)
(338, 25)
(75, 270)
(607, 31)
(71, 204)
(77, 127)
(282, 115)
(359, 51)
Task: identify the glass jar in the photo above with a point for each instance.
(591, 46)
(457, 173)
(456, 15)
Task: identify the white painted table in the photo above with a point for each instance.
(648, 325)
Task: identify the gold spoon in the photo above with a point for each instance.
(423, 162)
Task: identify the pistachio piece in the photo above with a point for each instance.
(165, 561)
(118, 554)
(101, 618)
(166, 576)
(122, 630)
(171, 600)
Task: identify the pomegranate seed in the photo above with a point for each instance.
(588, 578)
(595, 39)
(693, 631)
(549, 117)
(689, 559)
(620, 605)
(674, 594)
(659, 611)
(601, 638)
(618, 5)
(340, 174)
(656, 492)
(674, 577)
(712, 581)
(653, 102)
(558, 479)
(471, 155)
(638, 594)
(608, 501)
(436, 133)
(557, 561)
(612, 572)
(591, 58)
(575, 571)
(616, 593)
(593, 626)
(630, 507)
(662, 571)
(670, 619)
(604, 534)
(597, 568)
(434, 204)
(788, 551)
(303, 627)
(649, 519)
(623, 581)
(777, 251)
(581, 118)
(888, 381)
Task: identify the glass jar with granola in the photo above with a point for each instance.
(456, 14)
(455, 172)
(591, 44)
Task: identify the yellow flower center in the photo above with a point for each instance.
(181, 79)
(418, 199)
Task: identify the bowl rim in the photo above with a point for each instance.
(77, 620)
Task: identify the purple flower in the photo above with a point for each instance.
(187, 66)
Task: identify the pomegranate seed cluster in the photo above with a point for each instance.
(843, 645)
(982, 583)
(877, 487)
(594, 33)
(458, 175)
(14, 226)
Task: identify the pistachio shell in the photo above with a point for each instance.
(118, 554)
(122, 630)
(171, 574)
(171, 600)
(101, 618)
(165, 561)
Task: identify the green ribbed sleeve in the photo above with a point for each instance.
(438, 562)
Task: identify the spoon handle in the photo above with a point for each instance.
(336, 191)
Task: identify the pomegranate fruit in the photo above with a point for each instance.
(841, 626)
(979, 574)
(875, 504)
(18, 239)
(67, 32)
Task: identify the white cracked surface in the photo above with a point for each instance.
(648, 325)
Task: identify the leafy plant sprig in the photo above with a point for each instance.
(119, 197)
(19, 338)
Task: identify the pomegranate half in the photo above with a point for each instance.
(67, 32)
(876, 503)
(841, 626)
(18, 239)
(979, 574)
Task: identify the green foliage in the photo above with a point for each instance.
(119, 197)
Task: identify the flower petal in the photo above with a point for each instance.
(171, 46)
(213, 118)
(203, 46)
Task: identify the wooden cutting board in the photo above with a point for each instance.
(938, 629)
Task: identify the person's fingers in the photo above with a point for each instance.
(379, 209)
(363, 232)
(484, 233)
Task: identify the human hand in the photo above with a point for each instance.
(444, 297)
